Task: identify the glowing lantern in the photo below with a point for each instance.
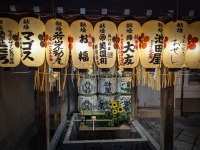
(104, 49)
(81, 44)
(31, 32)
(151, 43)
(57, 49)
(175, 43)
(9, 44)
(128, 51)
(192, 57)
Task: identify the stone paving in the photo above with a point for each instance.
(186, 131)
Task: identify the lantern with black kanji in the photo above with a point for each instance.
(9, 45)
(128, 50)
(175, 44)
(81, 44)
(106, 43)
(31, 33)
(56, 39)
(192, 57)
(151, 44)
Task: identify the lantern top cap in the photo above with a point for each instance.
(104, 11)
(126, 12)
(82, 11)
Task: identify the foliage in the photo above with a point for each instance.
(116, 113)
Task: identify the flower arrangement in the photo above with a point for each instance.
(116, 113)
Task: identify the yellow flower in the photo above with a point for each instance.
(110, 104)
(114, 105)
(120, 109)
(118, 101)
(114, 111)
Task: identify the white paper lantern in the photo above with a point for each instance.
(57, 46)
(151, 43)
(32, 43)
(105, 44)
(9, 43)
(175, 44)
(128, 51)
(81, 44)
(192, 57)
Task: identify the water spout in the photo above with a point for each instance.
(93, 119)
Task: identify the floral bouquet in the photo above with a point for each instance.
(116, 113)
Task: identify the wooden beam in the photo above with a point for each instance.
(167, 117)
(43, 115)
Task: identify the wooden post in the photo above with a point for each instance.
(43, 115)
(167, 117)
(56, 120)
(63, 101)
(134, 97)
(182, 90)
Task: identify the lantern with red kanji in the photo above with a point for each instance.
(192, 57)
(31, 33)
(56, 39)
(81, 44)
(9, 45)
(151, 44)
(128, 50)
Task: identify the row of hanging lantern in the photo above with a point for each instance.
(176, 43)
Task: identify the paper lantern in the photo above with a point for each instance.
(128, 51)
(57, 49)
(175, 43)
(81, 44)
(105, 39)
(151, 43)
(192, 57)
(9, 44)
(31, 32)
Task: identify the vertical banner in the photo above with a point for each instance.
(128, 51)
(81, 44)
(32, 43)
(57, 46)
(151, 43)
(175, 44)
(192, 58)
(9, 43)
(105, 44)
